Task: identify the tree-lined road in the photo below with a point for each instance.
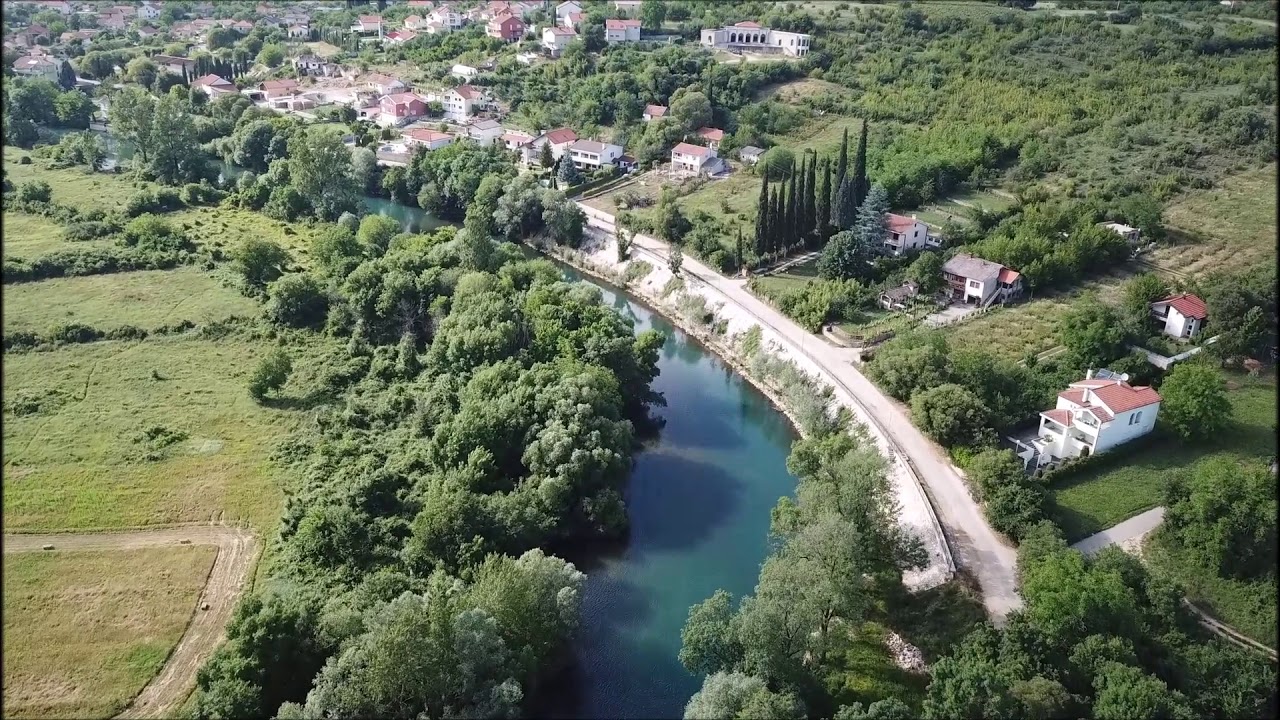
(972, 541)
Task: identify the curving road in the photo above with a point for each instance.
(973, 543)
(237, 551)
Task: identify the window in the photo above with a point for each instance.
(1135, 418)
(973, 283)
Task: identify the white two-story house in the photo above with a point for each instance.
(905, 233)
(1182, 315)
(975, 281)
(556, 39)
(1095, 415)
(592, 155)
(460, 102)
(691, 159)
(618, 30)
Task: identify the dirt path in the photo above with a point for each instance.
(237, 552)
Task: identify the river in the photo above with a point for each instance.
(698, 499)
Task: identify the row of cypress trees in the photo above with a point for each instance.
(812, 203)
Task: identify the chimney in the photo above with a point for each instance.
(1088, 374)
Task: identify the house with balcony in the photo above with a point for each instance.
(559, 139)
(214, 86)
(592, 155)
(711, 136)
(687, 159)
(1092, 416)
(617, 31)
(368, 25)
(566, 9)
(460, 103)
(37, 66)
(385, 84)
(445, 18)
(396, 37)
(904, 234)
(484, 131)
(974, 281)
(556, 39)
(751, 37)
(400, 109)
(1181, 316)
(300, 31)
(505, 27)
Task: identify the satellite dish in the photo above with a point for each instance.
(1124, 377)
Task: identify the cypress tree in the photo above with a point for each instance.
(802, 187)
(842, 165)
(810, 202)
(860, 184)
(777, 219)
(845, 212)
(824, 201)
(762, 218)
(793, 224)
(737, 249)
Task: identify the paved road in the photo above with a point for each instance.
(237, 550)
(1131, 529)
(973, 543)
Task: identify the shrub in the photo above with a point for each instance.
(297, 300)
(151, 234)
(87, 230)
(271, 374)
(949, 413)
(35, 191)
(160, 200)
(70, 333)
(24, 160)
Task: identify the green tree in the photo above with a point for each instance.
(320, 169)
(141, 70)
(777, 163)
(842, 165)
(690, 109)
(175, 156)
(861, 185)
(132, 114)
(259, 261)
(545, 157)
(844, 257)
(1223, 518)
(870, 223)
(296, 300)
(910, 363)
(271, 55)
(375, 234)
(672, 224)
(1125, 692)
(844, 208)
(563, 219)
(822, 204)
(1194, 401)
(74, 109)
(887, 709)
(336, 251)
(762, 218)
(271, 374)
(993, 469)
(480, 214)
(675, 259)
(652, 15)
(707, 642)
(1139, 292)
(66, 75)
(734, 696)
(948, 413)
(567, 174)
(926, 271)
(1092, 333)
(624, 240)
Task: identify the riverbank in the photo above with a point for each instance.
(598, 258)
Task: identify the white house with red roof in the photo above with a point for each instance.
(750, 36)
(1095, 415)
(687, 159)
(905, 233)
(559, 139)
(572, 20)
(567, 8)
(711, 136)
(556, 39)
(213, 85)
(1183, 315)
(368, 24)
(618, 30)
(653, 112)
(460, 102)
(592, 155)
(400, 36)
(427, 138)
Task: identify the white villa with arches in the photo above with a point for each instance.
(751, 37)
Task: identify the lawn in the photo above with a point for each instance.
(1229, 227)
(1247, 606)
(86, 630)
(226, 228)
(71, 186)
(792, 90)
(146, 299)
(75, 453)
(795, 277)
(30, 236)
(1132, 480)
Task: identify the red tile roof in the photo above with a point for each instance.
(655, 111)
(1074, 395)
(558, 30)
(467, 92)
(1008, 276)
(1100, 413)
(561, 135)
(213, 80)
(621, 24)
(900, 223)
(710, 133)
(1121, 396)
(425, 135)
(687, 149)
(1187, 304)
(747, 24)
(1062, 417)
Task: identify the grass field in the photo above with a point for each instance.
(1105, 495)
(795, 277)
(226, 228)
(792, 90)
(1247, 606)
(1237, 222)
(29, 236)
(80, 460)
(71, 186)
(86, 630)
(146, 299)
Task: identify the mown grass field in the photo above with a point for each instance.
(1104, 495)
(146, 299)
(86, 630)
(795, 277)
(1228, 227)
(30, 236)
(71, 186)
(1248, 606)
(79, 461)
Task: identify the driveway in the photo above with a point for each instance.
(1127, 531)
(949, 314)
(973, 543)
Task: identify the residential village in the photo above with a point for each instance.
(1048, 334)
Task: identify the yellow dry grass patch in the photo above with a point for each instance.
(86, 630)
(1229, 227)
